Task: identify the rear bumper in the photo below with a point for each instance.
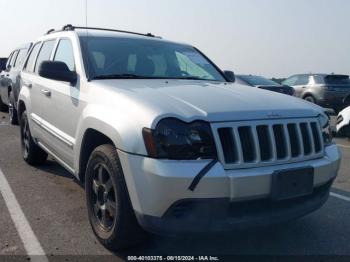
(332, 99)
(218, 215)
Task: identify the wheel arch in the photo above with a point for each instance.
(308, 94)
(91, 139)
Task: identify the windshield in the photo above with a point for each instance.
(110, 57)
(258, 81)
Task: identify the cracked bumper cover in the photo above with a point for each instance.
(160, 195)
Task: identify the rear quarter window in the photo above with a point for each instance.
(21, 56)
(13, 58)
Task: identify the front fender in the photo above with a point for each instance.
(124, 131)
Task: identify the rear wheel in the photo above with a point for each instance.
(109, 208)
(31, 152)
(12, 110)
(3, 107)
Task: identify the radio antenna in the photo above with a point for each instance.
(86, 13)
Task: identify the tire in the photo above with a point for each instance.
(310, 99)
(3, 107)
(12, 110)
(31, 152)
(109, 207)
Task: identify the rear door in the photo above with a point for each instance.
(15, 72)
(28, 79)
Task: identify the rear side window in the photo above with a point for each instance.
(13, 58)
(64, 53)
(45, 53)
(31, 59)
(302, 80)
(21, 56)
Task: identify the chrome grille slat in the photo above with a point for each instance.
(259, 142)
(300, 139)
(238, 146)
(256, 144)
(273, 144)
(311, 137)
(288, 142)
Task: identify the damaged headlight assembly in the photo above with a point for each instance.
(326, 129)
(178, 140)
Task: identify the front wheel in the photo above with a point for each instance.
(310, 99)
(12, 110)
(109, 208)
(31, 152)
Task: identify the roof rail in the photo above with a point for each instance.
(70, 27)
(50, 31)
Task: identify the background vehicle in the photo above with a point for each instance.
(164, 142)
(10, 81)
(343, 119)
(2, 63)
(264, 83)
(321, 89)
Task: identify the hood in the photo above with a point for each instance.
(210, 101)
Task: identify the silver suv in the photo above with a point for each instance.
(164, 142)
(321, 89)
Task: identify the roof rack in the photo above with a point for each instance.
(70, 27)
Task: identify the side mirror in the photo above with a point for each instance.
(346, 101)
(230, 76)
(57, 70)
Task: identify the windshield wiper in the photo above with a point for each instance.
(191, 78)
(119, 76)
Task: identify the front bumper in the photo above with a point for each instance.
(157, 186)
(219, 215)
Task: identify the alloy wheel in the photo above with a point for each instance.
(25, 138)
(103, 197)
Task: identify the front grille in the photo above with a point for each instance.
(259, 143)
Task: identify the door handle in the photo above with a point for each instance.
(46, 92)
(29, 85)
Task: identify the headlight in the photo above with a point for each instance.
(326, 129)
(174, 139)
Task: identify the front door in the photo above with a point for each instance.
(61, 107)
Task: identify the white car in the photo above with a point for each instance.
(343, 122)
(164, 141)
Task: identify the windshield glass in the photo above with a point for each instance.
(110, 57)
(258, 80)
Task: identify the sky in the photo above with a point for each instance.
(273, 38)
